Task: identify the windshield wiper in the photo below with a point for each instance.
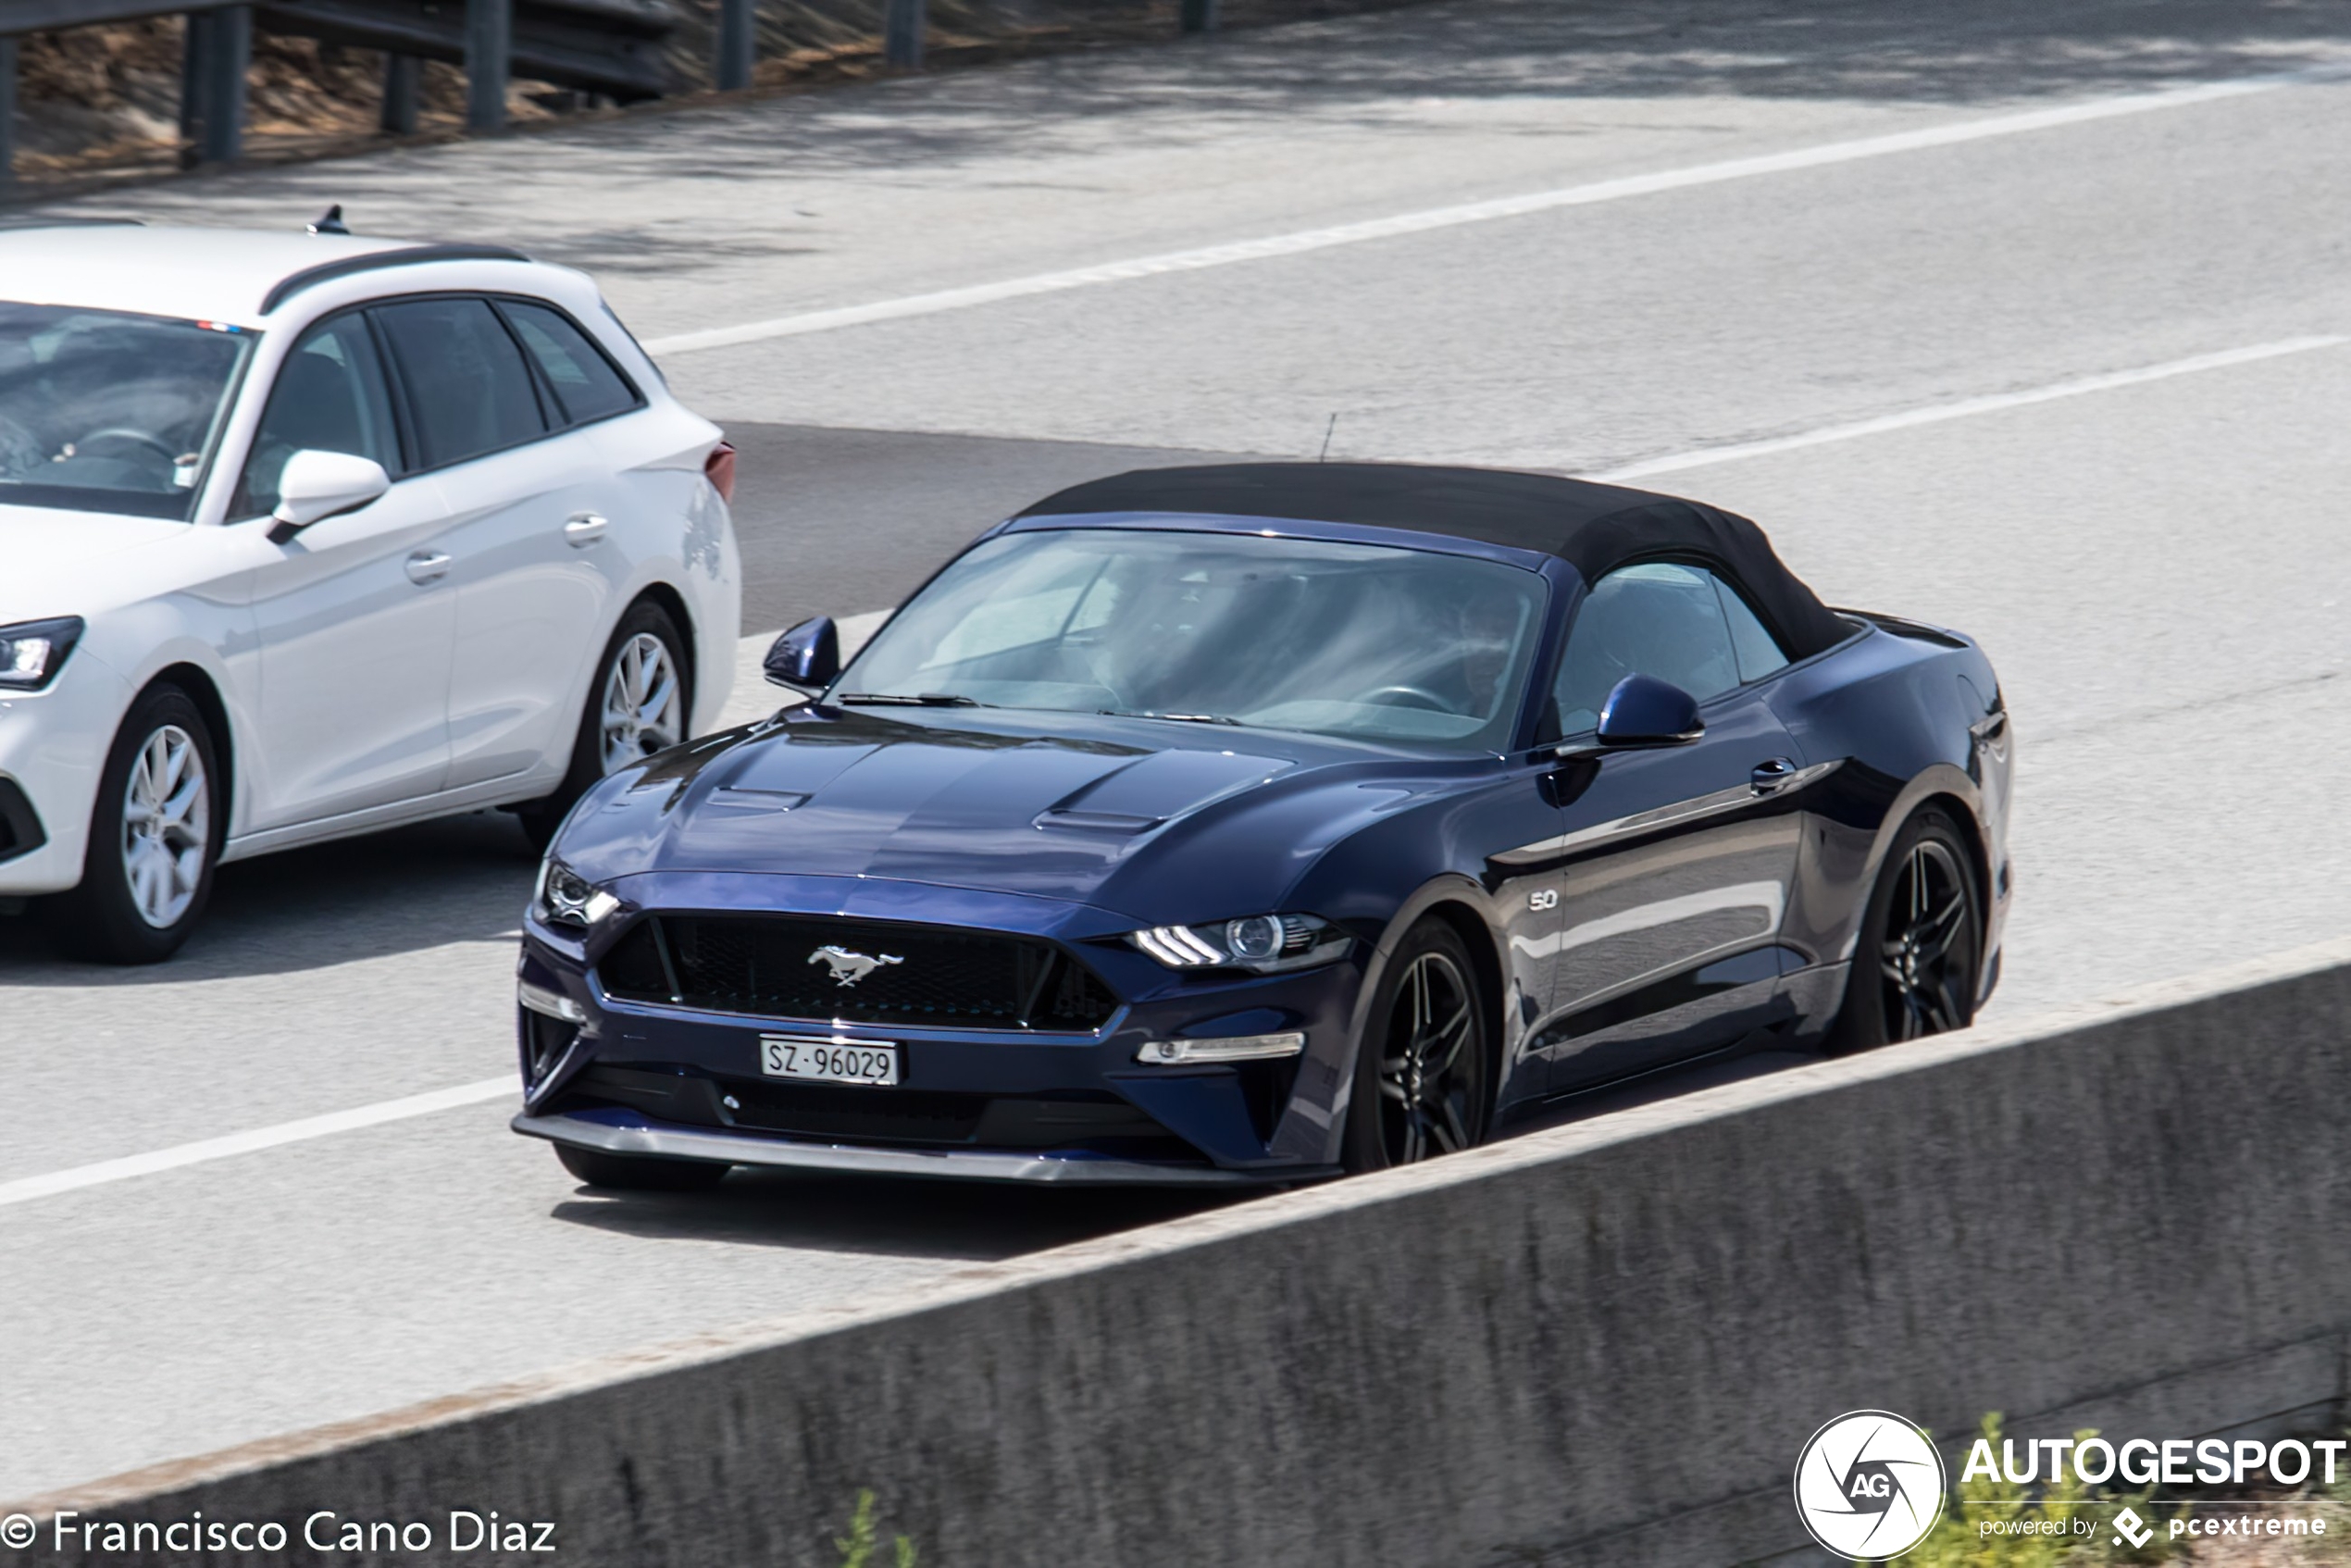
(1173, 718)
(918, 700)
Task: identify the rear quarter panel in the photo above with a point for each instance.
(1908, 712)
(671, 527)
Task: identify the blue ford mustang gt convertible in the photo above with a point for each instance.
(1266, 822)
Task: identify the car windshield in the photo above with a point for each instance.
(101, 411)
(1347, 639)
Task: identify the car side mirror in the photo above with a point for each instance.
(1641, 713)
(807, 657)
(317, 485)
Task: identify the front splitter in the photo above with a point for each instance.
(953, 1165)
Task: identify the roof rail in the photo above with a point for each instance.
(409, 256)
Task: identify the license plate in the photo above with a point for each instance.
(818, 1060)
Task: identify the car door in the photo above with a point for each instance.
(353, 615)
(524, 492)
(1526, 883)
(1678, 861)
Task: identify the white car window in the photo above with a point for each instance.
(103, 411)
(329, 396)
(585, 382)
(468, 386)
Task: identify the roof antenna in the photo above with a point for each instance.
(331, 221)
(1326, 440)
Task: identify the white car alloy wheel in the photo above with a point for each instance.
(644, 706)
(167, 826)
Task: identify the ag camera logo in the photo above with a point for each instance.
(1869, 1485)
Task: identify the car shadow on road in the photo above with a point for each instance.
(903, 1216)
(463, 879)
(896, 1216)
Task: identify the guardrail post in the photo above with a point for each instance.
(490, 47)
(736, 46)
(400, 95)
(196, 71)
(227, 59)
(1199, 16)
(902, 26)
(8, 118)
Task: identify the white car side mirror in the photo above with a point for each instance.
(317, 485)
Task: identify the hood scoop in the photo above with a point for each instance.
(1152, 790)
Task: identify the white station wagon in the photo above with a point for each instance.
(308, 535)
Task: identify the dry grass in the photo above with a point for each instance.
(103, 102)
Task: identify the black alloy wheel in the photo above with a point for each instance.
(1422, 1085)
(1916, 967)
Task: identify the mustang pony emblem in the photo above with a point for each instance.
(849, 967)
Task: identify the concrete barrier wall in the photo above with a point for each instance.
(1603, 1344)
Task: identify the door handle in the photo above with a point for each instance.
(585, 527)
(427, 566)
(1770, 778)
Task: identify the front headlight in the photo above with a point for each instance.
(33, 652)
(1265, 943)
(565, 898)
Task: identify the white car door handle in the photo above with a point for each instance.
(427, 566)
(585, 527)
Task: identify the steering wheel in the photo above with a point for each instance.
(155, 444)
(1407, 697)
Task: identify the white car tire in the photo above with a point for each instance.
(155, 832)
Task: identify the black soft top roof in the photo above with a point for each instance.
(1594, 528)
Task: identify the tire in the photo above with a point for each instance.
(599, 747)
(1917, 963)
(155, 833)
(640, 1172)
(1423, 1071)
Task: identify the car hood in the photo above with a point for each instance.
(1122, 816)
(54, 561)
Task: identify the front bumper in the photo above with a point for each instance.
(53, 746)
(624, 1132)
(1004, 1105)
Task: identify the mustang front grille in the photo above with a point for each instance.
(788, 966)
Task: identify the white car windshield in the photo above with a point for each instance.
(1357, 640)
(103, 411)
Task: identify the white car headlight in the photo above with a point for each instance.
(33, 652)
(565, 898)
(1266, 943)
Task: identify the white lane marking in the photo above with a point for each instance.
(1967, 407)
(1302, 241)
(24, 1189)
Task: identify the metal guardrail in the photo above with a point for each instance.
(18, 16)
(610, 47)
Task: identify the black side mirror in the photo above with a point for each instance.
(1641, 713)
(807, 657)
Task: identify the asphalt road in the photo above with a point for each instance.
(1757, 225)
